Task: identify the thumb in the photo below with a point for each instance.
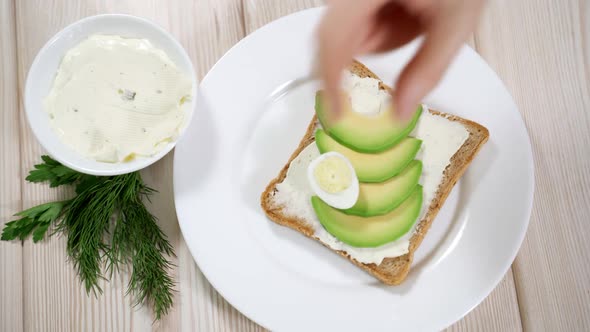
(340, 34)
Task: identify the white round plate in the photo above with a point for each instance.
(286, 282)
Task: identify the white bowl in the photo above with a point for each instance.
(44, 68)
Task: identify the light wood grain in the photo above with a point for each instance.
(11, 288)
(540, 50)
(57, 282)
(53, 297)
(260, 12)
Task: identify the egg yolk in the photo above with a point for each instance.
(333, 175)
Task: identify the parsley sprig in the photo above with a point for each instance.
(107, 226)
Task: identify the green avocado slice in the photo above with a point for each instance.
(373, 167)
(372, 231)
(380, 198)
(364, 133)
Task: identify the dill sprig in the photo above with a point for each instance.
(106, 224)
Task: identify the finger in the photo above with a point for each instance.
(340, 34)
(444, 36)
(394, 26)
(334, 55)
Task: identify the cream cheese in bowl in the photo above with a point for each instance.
(116, 98)
(110, 94)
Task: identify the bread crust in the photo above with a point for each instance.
(392, 270)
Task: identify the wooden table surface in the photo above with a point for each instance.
(539, 48)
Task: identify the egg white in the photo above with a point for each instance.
(341, 200)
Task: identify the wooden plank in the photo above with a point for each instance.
(260, 12)
(541, 49)
(53, 296)
(11, 287)
(54, 299)
(524, 43)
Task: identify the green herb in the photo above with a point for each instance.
(106, 223)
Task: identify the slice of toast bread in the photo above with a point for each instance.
(392, 270)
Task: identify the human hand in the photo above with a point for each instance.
(353, 27)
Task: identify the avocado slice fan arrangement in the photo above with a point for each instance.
(382, 154)
(107, 227)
